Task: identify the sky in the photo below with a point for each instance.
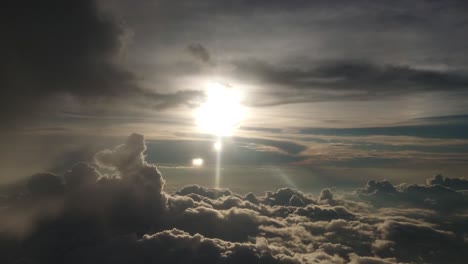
(208, 131)
(351, 89)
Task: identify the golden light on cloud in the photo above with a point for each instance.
(222, 111)
(197, 162)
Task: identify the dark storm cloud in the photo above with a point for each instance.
(353, 79)
(55, 48)
(128, 218)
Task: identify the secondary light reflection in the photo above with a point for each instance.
(220, 115)
(197, 162)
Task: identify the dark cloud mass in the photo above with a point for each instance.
(54, 48)
(125, 216)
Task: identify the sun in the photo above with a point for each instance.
(222, 112)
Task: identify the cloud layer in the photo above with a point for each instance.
(124, 216)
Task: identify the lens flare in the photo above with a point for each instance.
(218, 146)
(197, 162)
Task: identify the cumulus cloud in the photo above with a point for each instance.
(286, 196)
(44, 184)
(81, 175)
(383, 193)
(202, 191)
(453, 183)
(125, 216)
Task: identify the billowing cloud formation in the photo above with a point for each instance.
(126, 217)
(430, 196)
(455, 183)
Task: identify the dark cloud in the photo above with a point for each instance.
(126, 217)
(286, 146)
(343, 80)
(317, 213)
(58, 48)
(81, 175)
(176, 246)
(284, 196)
(326, 194)
(423, 245)
(129, 161)
(383, 193)
(199, 52)
(44, 184)
(364, 51)
(452, 183)
(211, 193)
(453, 130)
(54, 49)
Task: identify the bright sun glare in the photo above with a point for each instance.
(222, 111)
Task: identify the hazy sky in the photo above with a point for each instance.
(234, 132)
(351, 88)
